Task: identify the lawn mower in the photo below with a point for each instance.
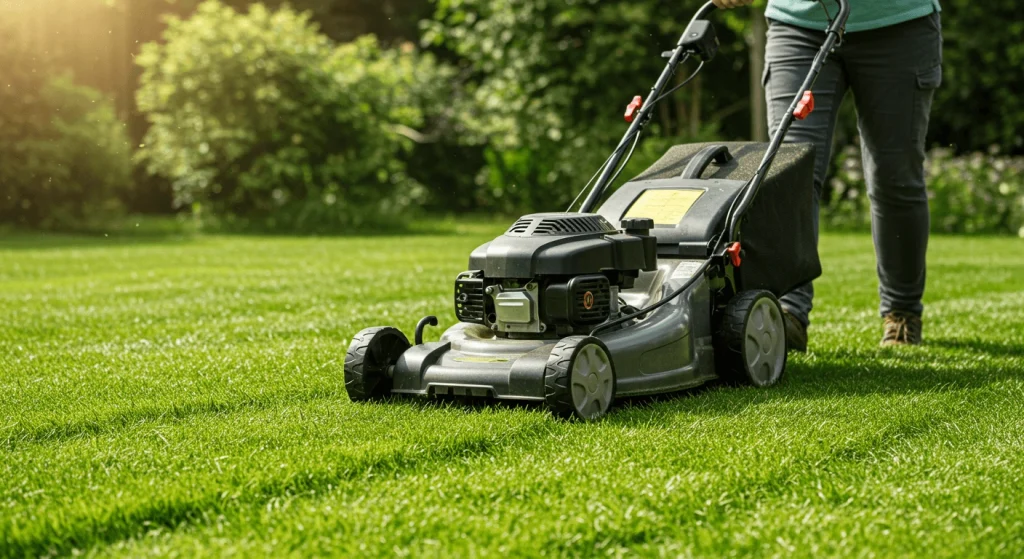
(671, 283)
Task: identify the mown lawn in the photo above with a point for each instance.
(185, 397)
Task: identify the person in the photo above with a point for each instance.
(890, 59)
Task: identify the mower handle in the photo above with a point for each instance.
(716, 152)
(704, 11)
(677, 56)
(833, 36)
(833, 33)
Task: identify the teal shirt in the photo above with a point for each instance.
(864, 14)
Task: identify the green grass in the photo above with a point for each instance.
(185, 397)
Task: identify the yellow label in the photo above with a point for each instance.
(469, 359)
(664, 206)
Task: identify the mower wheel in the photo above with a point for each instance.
(579, 379)
(751, 343)
(369, 356)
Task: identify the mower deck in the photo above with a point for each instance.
(669, 350)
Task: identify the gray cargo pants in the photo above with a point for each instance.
(892, 72)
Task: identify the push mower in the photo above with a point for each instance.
(671, 283)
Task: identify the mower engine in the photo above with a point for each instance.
(553, 274)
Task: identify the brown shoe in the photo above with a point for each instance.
(796, 333)
(901, 329)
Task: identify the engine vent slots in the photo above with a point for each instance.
(592, 299)
(559, 224)
(469, 299)
(520, 226)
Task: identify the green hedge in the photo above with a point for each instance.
(259, 120)
(66, 158)
(981, 192)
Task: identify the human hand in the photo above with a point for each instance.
(726, 4)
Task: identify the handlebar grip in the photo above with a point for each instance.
(700, 161)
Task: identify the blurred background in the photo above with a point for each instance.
(332, 116)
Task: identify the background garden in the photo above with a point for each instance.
(344, 115)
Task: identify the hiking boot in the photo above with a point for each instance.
(796, 333)
(901, 329)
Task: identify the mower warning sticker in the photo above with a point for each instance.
(686, 269)
(665, 207)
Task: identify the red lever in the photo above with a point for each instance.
(734, 254)
(633, 107)
(805, 106)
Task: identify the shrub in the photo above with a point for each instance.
(66, 157)
(264, 121)
(974, 193)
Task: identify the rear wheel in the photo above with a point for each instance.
(579, 380)
(751, 344)
(369, 356)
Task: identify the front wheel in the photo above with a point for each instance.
(371, 353)
(579, 379)
(751, 340)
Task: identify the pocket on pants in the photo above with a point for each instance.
(930, 78)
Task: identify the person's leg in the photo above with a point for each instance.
(893, 73)
(789, 53)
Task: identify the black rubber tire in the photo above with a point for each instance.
(369, 355)
(731, 341)
(558, 393)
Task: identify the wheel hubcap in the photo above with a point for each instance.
(592, 382)
(765, 347)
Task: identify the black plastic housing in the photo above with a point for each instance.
(777, 233)
(700, 39)
(569, 302)
(560, 244)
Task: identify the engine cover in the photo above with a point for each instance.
(564, 244)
